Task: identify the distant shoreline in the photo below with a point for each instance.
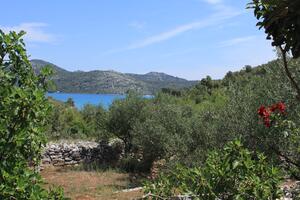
(82, 99)
(104, 93)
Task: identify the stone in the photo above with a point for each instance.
(46, 161)
(70, 153)
(67, 159)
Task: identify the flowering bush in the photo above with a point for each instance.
(269, 114)
(283, 137)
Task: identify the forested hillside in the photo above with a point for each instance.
(110, 81)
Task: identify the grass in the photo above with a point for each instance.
(92, 185)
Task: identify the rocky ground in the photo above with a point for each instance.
(291, 189)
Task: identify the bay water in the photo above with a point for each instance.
(80, 100)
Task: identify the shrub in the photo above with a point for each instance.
(66, 121)
(95, 119)
(170, 130)
(23, 111)
(123, 114)
(234, 173)
(282, 136)
(247, 93)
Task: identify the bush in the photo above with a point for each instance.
(234, 173)
(66, 122)
(239, 117)
(23, 111)
(123, 114)
(95, 119)
(170, 131)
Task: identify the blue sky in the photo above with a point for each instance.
(185, 38)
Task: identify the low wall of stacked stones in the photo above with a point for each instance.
(65, 153)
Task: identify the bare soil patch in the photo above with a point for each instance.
(91, 185)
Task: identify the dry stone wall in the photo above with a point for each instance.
(66, 153)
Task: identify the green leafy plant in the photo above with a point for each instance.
(23, 111)
(234, 173)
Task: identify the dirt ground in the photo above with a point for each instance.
(91, 185)
(101, 185)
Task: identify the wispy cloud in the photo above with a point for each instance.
(213, 1)
(222, 13)
(236, 41)
(34, 32)
(210, 21)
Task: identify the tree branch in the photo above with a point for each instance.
(288, 73)
(287, 160)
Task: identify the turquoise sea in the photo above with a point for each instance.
(81, 99)
(95, 99)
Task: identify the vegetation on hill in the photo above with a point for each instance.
(110, 81)
(256, 107)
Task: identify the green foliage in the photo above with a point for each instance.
(23, 111)
(57, 193)
(248, 68)
(123, 114)
(157, 128)
(172, 92)
(280, 19)
(171, 130)
(283, 138)
(70, 102)
(182, 129)
(234, 173)
(243, 92)
(95, 118)
(204, 90)
(240, 113)
(65, 121)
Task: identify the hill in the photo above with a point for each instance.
(98, 81)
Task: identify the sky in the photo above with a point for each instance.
(185, 38)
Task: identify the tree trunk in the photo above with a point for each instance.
(288, 73)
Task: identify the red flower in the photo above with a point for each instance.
(274, 107)
(265, 112)
(281, 107)
(261, 110)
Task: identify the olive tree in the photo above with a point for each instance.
(123, 115)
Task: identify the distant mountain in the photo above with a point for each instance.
(38, 64)
(110, 81)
